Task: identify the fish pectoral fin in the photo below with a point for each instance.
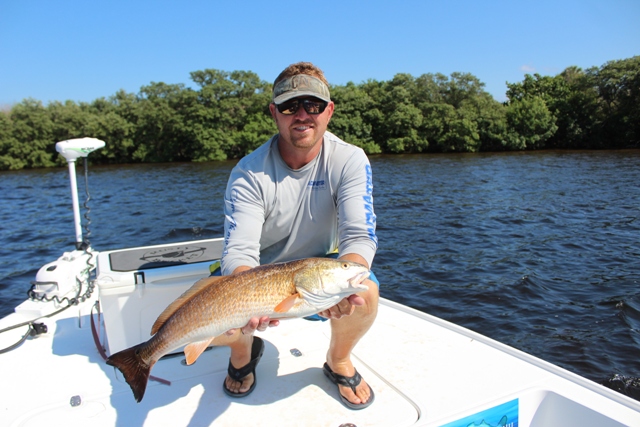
(195, 349)
(287, 303)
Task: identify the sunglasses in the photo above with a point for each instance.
(311, 106)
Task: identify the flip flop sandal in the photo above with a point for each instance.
(257, 348)
(348, 382)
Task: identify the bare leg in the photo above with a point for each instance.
(345, 334)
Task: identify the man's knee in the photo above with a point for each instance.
(370, 296)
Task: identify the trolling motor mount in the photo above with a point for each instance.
(72, 149)
(70, 273)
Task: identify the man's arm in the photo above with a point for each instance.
(241, 269)
(357, 220)
(357, 223)
(244, 216)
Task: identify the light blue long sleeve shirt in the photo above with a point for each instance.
(274, 213)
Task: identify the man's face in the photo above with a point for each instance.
(301, 129)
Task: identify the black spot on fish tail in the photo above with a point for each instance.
(135, 370)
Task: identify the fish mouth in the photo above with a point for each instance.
(356, 281)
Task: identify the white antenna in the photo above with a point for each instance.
(72, 149)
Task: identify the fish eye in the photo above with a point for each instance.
(345, 265)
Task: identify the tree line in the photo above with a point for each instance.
(226, 116)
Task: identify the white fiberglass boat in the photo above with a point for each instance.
(424, 371)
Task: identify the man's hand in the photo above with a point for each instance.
(255, 324)
(345, 307)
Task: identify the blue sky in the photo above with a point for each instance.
(86, 49)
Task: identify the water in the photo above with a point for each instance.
(540, 251)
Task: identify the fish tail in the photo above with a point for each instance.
(135, 370)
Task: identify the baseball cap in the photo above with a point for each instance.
(300, 85)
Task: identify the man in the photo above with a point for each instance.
(304, 193)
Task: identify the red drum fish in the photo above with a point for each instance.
(214, 305)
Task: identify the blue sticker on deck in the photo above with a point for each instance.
(504, 415)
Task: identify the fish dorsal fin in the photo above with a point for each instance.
(181, 300)
(195, 349)
(287, 303)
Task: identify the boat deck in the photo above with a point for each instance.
(424, 371)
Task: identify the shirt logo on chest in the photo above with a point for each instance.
(317, 185)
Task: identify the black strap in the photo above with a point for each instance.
(256, 353)
(352, 382)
